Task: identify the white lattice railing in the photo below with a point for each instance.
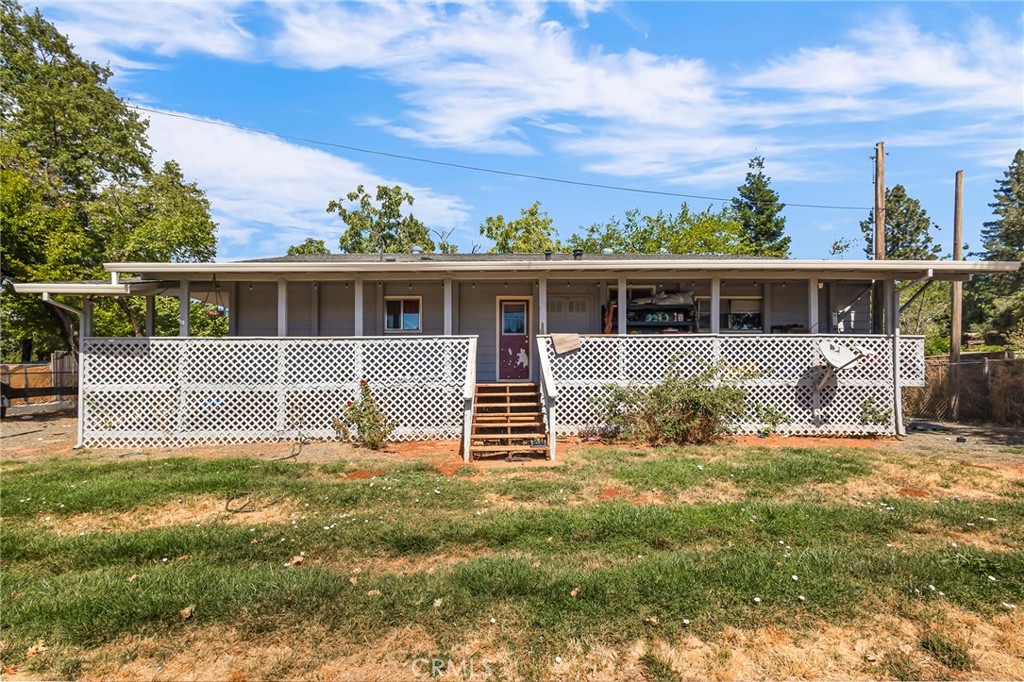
(175, 391)
(782, 373)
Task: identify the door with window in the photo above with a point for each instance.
(513, 339)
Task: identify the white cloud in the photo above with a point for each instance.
(103, 31)
(262, 186)
(982, 70)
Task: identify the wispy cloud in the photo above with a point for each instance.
(107, 31)
(261, 186)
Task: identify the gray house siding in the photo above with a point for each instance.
(478, 315)
(257, 309)
(337, 309)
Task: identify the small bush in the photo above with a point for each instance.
(681, 410)
(364, 422)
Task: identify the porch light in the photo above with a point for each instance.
(250, 286)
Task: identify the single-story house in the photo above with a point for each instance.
(505, 351)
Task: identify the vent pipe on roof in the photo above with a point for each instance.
(577, 254)
(547, 254)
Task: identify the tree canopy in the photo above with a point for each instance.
(703, 232)
(907, 228)
(759, 212)
(996, 302)
(531, 232)
(377, 224)
(309, 247)
(77, 187)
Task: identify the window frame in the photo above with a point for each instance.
(403, 299)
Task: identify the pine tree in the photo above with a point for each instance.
(1004, 237)
(907, 228)
(759, 211)
(997, 301)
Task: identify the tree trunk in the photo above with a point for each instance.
(67, 328)
(132, 318)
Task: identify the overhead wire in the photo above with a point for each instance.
(467, 167)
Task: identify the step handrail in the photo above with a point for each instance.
(468, 393)
(549, 393)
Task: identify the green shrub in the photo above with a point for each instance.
(363, 421)
(681, 409)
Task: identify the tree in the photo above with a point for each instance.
(310, 247)
(377, 225)
(907, 228)
(759, 210)
(997, 301)
(531, 232)
(77, 186)
(704, 232)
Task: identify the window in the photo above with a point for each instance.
(403, 314)
(737, 313)
(513, 319)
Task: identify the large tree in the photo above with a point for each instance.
(531, 232)
(759, 211)
(78, 188)
(996, 302)
(377, 225)
(700, 232)
(908, 229)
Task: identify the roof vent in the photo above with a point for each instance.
(416, 249)
(547, 254)
(577, 254)
(606, 251)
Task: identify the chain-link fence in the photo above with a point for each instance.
(989, 389)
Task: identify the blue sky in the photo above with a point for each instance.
(672, 97)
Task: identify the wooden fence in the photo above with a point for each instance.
(41, 382)
(989, 389)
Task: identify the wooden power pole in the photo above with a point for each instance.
(878, 295)
(957, 312)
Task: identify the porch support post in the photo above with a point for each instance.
(150, 314)
(282, 307)
(766, 312)
(357, 290)
(448, 307)
(314, 309)
(84, 330)
(183, 300)
(716, 305)
(812, 306)
(621, 305)
(233, 311)
(897, 389)
(542, 305)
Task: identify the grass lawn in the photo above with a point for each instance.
(621, 563)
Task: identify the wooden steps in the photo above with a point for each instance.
(507, 418)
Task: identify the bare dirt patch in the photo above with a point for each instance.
(187, 511)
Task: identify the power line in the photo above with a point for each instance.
(466, 167)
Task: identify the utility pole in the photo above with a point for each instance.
(878, 295)
(957, 312)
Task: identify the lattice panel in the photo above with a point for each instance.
(173, 391)
(780, 373)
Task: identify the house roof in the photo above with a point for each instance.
(160, 277)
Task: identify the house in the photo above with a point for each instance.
(485, 346)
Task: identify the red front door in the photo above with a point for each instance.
(513, 340)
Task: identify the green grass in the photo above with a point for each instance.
(657, 670)
(951, 652)
(550, 536)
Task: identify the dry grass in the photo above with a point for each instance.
(186, 511)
